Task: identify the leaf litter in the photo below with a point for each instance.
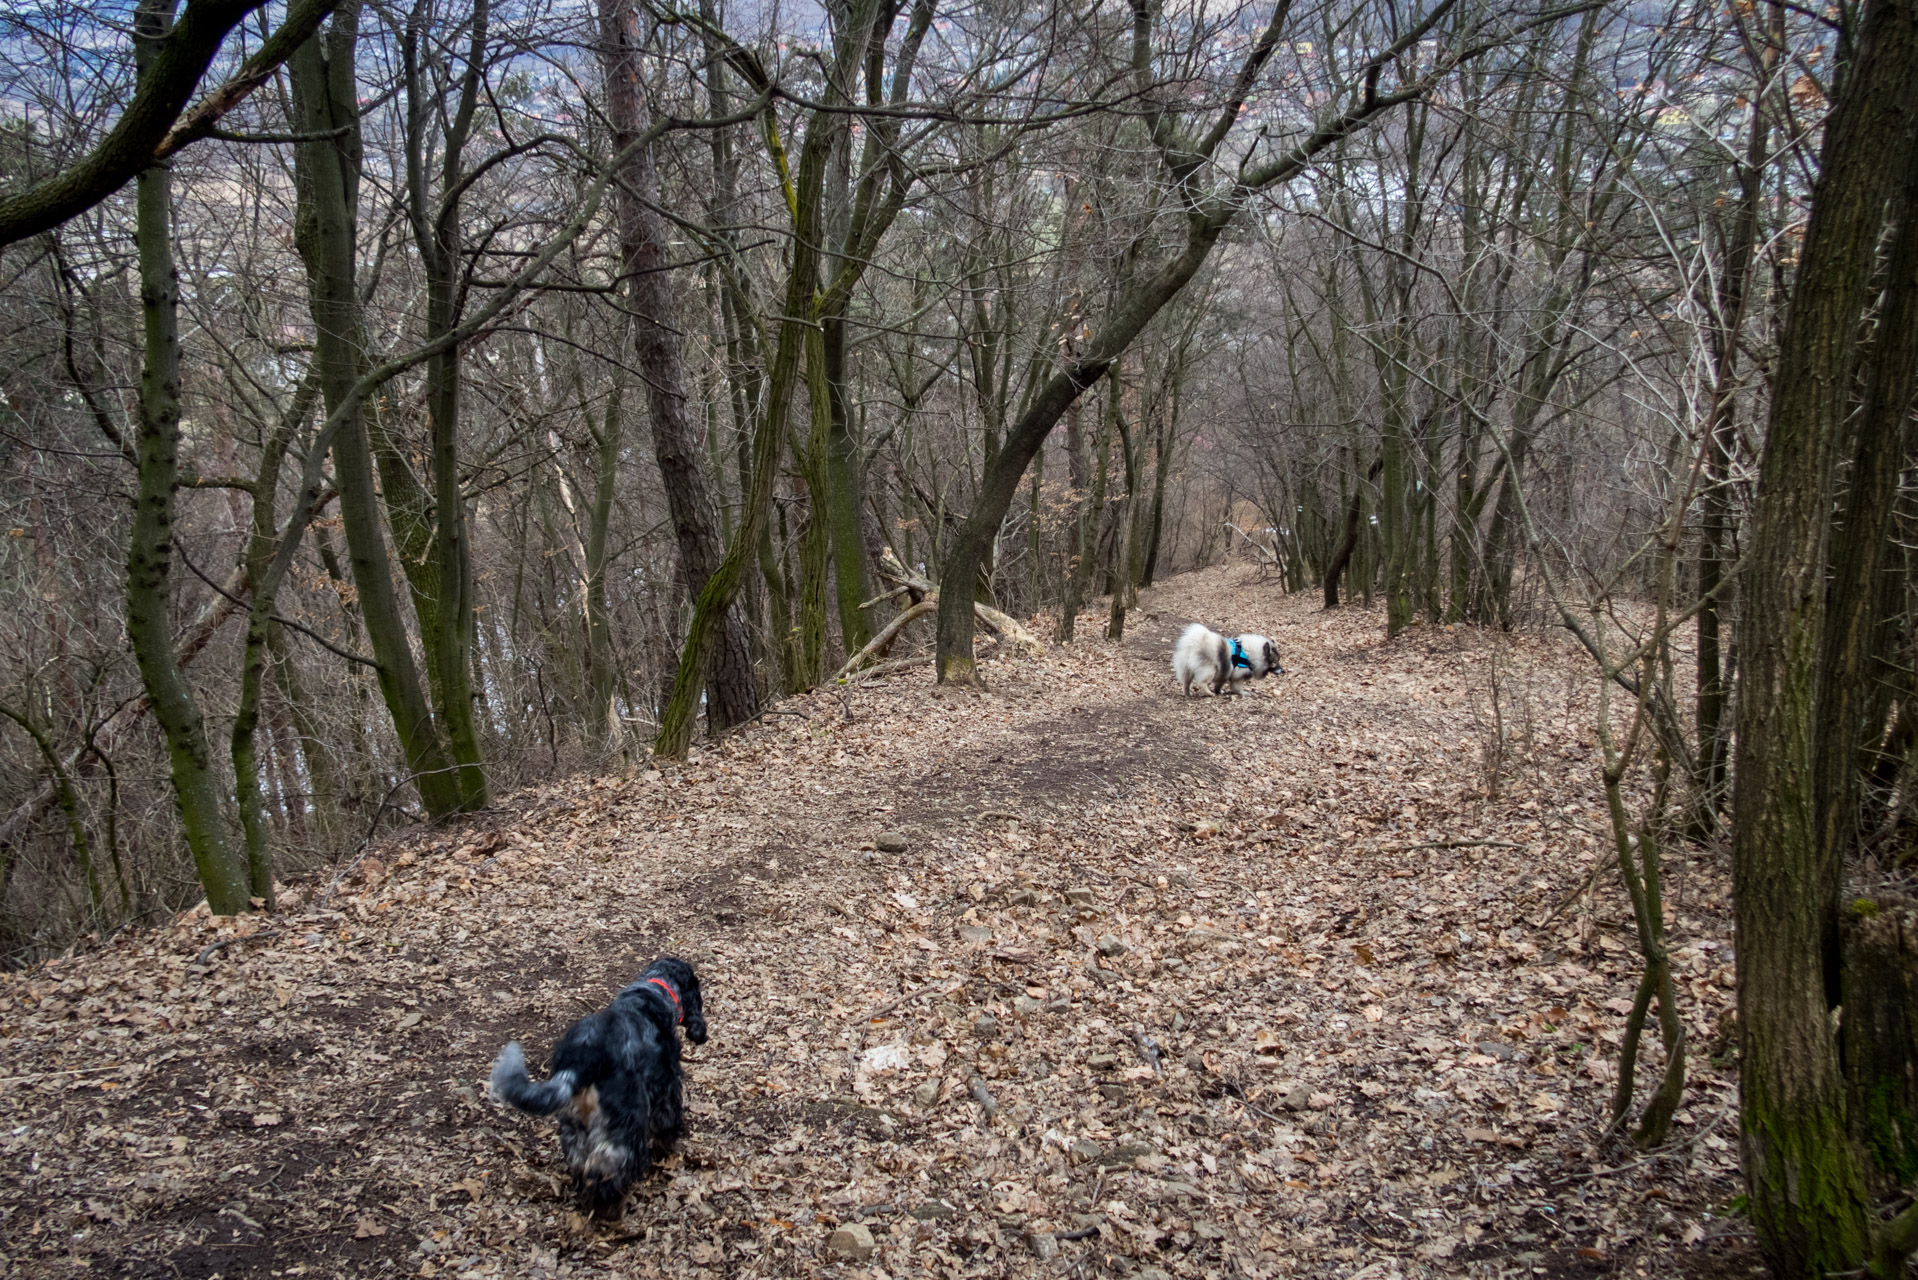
(1073, 978)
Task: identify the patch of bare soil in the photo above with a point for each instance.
(1254, 986)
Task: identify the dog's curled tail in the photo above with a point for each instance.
(512, 1086)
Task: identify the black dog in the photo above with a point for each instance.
(615, 1081)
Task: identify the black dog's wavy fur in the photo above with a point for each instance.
(615, 1083)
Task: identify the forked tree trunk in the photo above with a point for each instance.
(1349, 539)
(732, 695)
(446, 606)
(327, 170)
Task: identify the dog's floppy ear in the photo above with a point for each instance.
(692, 1012)
(1272, 658)
(695, 1009)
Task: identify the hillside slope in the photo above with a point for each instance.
(1376, 1050)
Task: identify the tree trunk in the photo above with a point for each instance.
(1807, 1194)
(1091, 514)
(1126, 545)
(327, 170)
(602, 716)
(1349, 540)
(439, 558)
(732, 694)
(259, 624)
(845, 491)
(1881, 1038)
(1715, 518)
(196, 788)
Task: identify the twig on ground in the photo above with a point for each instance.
(1453, 844)
(211, 947)
(1591, 878)
(1671, 1152)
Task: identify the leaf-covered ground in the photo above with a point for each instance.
(1327, 908)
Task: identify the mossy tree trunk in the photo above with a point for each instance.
(327, 170)
(1808, 1197)
(196, 784)
(732, 693)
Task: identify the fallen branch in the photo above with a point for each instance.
(211, 947)
(1454, 844)
(880, 670)
(1591, 877)
(881, 644)
(926, 591)
(1007, 627)
(1271, 556)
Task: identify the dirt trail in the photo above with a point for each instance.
(1376, 1056)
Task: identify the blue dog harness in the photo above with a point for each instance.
(1238, 656)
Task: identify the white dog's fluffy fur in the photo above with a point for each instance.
(1203, 656)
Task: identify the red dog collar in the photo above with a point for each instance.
(673, 995)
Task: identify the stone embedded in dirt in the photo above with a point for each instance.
(852, 1242)
(975, 933)
(1111, 946)
(1084, 1149)
(934, 1211)
(986, 1027)
(1104, 977)
(1297, 1098)
(1043, 1244)
(926, 1094)
(1023, 898)
(1101, 1062)
(1081, 898)
(891, 842)
(1493, 1049)
(1026, 1006)
(1061, 1005)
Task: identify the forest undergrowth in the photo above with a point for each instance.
(1072, 978)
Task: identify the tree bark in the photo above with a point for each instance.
(259, 623)
(732, 693)
(1807, 1194)
(327, 171)
(447, 624)
(196, 787)
(602, 717)
(1349, 540)
(1092, 514)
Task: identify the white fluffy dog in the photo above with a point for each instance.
(1203, 656)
